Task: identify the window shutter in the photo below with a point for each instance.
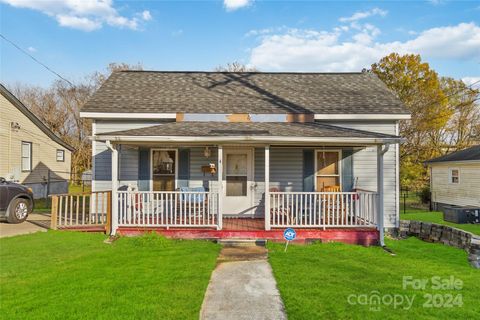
(144, 169)
(347, 170)
(183, 167)
(308, 170)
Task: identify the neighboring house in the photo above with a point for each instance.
(455, 178)
(30, 153)
(191, 149)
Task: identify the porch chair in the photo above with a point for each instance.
(336, 200)
(192, 204)
(282, 213)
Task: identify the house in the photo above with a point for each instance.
(211, 154)
(30, 153)
(455, 178)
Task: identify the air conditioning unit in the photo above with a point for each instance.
(457, 214)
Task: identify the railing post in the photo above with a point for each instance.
(54, 213)
(267, 188)
(108, 225)
(220, 187)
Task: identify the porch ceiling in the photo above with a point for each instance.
(268, 132)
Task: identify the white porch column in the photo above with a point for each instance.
(114, 222)
(380, 198)
(220, 187)
(267, 187)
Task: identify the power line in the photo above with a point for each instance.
(35, 59)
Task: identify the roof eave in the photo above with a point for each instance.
(243, 139)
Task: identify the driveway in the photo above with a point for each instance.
(35, 222)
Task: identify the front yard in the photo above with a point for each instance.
(70, 275)
(338, 281)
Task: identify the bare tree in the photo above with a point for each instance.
(58, 107)
(235, 67)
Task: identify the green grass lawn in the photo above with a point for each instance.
(437, 217)
(70, 275)
(315, 281)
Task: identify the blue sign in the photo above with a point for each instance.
(289, 234)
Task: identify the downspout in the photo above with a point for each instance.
(114, 220)
(380, 153)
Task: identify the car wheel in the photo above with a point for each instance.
(18, 210)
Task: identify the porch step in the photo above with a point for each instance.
(237, 242)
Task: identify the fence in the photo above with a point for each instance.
(81, 210)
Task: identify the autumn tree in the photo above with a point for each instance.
(444, 113)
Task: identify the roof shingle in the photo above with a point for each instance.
(251, 92)
(470, 154)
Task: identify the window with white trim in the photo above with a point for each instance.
(327, 170)
(26, 156)
(60, 155)
(454, 175)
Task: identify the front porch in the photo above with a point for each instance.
(300, 175)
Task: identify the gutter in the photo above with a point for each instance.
(269, 139)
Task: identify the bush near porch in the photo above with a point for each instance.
(70, 275)
(315, 281)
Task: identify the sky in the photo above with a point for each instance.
(78, 37)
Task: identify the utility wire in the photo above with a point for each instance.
(35, 59)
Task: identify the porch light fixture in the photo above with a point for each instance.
(206, 152)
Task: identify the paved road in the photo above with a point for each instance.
(242, 288)
(35, 222)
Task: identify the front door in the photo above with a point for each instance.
(238, 182)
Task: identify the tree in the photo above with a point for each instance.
(444, 114)
(235, 67)
(58, 107)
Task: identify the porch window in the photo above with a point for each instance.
(236, 175)
(327, 172)
(164, 169)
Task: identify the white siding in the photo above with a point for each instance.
(365, 167)
(465, 193)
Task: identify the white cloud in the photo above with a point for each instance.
(472, 81)
(146, 15)
(231, 5)
(32, 49)
(177, 33)
(364, 14)
(340, 50)
(86, 15)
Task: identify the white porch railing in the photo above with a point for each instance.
(168, 209)
(323, 209)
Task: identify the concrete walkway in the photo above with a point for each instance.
(242, 287)
(35, 222)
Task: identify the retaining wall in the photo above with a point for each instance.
(450, 236)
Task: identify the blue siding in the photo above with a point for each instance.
(144, 169)
(308, 170)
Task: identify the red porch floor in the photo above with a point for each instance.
(247, 228)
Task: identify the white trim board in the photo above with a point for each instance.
(363, 116)
(240, 139)
(258, 117)
(127, 115)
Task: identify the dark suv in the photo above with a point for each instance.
(16, 201)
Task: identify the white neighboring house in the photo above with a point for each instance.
(199, 149)
(455, 178)
(30, 153)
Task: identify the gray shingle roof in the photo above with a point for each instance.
(253, 92)
(470, 154)
(222, 129)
